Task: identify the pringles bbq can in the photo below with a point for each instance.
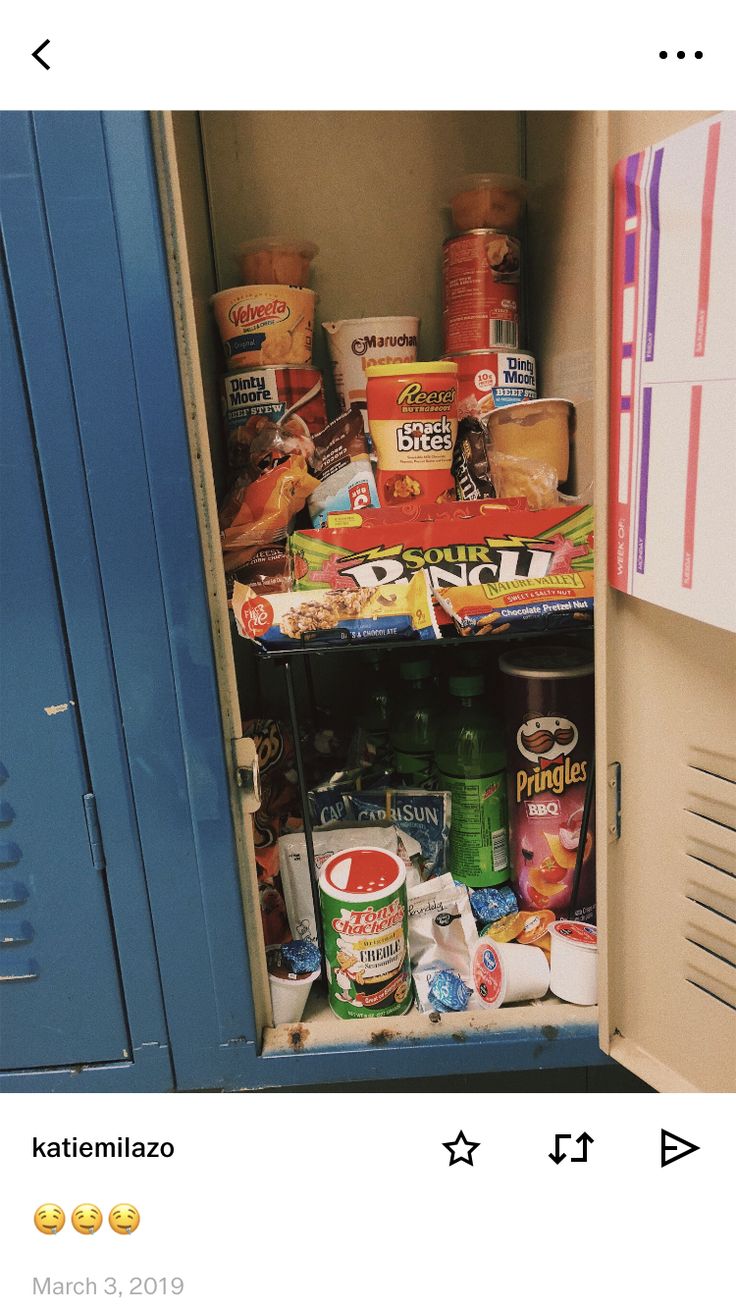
(363, 902)
(412, 416)
(549, 712)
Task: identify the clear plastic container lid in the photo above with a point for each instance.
(490, 181)
(304, 249)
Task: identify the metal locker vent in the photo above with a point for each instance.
(710, 875)
(15, 929)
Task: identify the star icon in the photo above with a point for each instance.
(461, 1149)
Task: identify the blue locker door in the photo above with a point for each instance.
(60, 993)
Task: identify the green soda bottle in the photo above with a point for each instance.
(412, 734)
(471, 765)
(373, 718)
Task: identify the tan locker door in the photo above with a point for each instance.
(185, 217)
(667, 712)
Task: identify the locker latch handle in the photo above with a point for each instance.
(247, 773)
(613, 802)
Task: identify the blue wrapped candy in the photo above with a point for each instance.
(489, 903)
(448, 992)
(301, 956)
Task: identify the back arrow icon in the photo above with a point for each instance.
(37, 55)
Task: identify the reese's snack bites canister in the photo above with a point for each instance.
(364, 916)
(412, 415)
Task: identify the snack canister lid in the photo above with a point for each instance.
(489, 974)
(399, 370)
(355, 875)
(547, 662)
(582, 935)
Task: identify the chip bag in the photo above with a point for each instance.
(261, 511)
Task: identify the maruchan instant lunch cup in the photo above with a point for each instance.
(365, 920)
(548, 705)
(412, 415)
(261, 325)
(354, 343)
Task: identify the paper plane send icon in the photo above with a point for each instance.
(675, 1147)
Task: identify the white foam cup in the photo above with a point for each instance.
(574, 961)
(503, 973)
(289, 996)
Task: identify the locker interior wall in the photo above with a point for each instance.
(371, 189)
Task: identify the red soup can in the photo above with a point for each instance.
(481, 271)
(548, 697)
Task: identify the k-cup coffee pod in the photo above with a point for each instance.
(503, 974)
(574, 962)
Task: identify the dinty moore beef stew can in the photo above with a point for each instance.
(548, 696)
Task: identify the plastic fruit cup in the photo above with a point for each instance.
(535, 429)
(289, 996)
(574, 962)
(488, 200)
(272, 259)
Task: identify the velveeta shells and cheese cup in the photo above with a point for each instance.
(265, 325)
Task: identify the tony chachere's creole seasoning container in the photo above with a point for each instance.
(412, 415)
(364, 914)
(480, 291)
(548, 700)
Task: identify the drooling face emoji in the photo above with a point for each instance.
(49, 1219)
(124, 1219)
(546, 740)
(87, 1219)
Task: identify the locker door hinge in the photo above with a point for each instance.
(613, 803)
(93, 832)
(246, 772)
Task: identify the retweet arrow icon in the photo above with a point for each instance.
(37, 55)
(585, 1141)
(559, 1155)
